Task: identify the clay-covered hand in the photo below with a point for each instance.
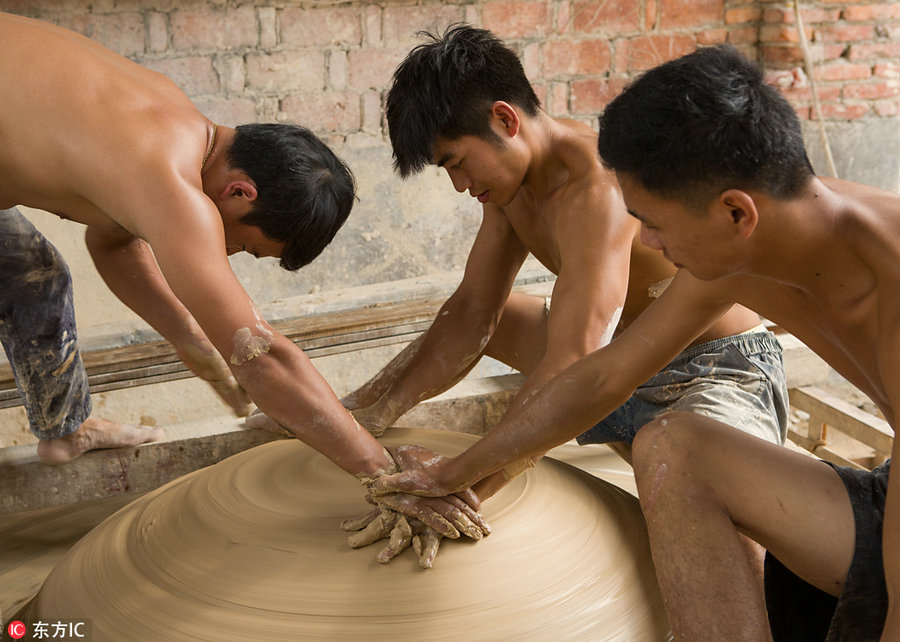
(203, 360)
(401, 531)
(449, 516)
(421, 474)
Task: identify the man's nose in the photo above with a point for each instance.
(460, 182)
(649, 238)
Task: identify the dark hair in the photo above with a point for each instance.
(305, 192)
(703, 123)
(446, 86)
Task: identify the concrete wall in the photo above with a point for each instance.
(327, 65)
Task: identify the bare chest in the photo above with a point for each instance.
(536, 229)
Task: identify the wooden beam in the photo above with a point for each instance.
(365, 321)
(824, 408)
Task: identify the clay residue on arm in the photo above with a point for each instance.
(248, 345)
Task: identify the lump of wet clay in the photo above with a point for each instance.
(251, 549)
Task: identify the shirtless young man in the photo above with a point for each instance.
(462, 102)
(166, 196)
(711, 161)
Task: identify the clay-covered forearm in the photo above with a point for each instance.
(430, 365)
(285, 386)
(371, 391)
(490, 485)
(562, 409)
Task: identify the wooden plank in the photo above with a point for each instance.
(821, 450)
(333, 331)
(845, 417)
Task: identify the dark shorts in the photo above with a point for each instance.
(800, 612)
(37, 329)
(738, 380)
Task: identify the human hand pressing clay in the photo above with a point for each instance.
(431, 518)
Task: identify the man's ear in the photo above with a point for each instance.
(741, 209)
(507, 116)
(241, 188)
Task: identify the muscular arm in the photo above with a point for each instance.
(592, 281)
(189, 246)
(461, 329)
(129, 268)
(583, 393)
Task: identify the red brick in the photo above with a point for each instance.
(712, 36)
(890, 107)
(887, 70)
(844, 71)
(517, 19)
(808, 14)
(742, 14)
(563, 17)
(825, 52)
(229, 111)
(531, 60)
(557, 100)
(651, 15)
(675, 14)
(649, 51)
(373, 21)
(320, 27)
(746, 35)
(780, 33)
(579, 58)
(331, 111)
(372, 68)
(872, 12)
(540, 90)
(776, 53)
(287, 71)
(872, 91)
(803, 111)
(803, 93)
(863, 51)
(121, 32)
(195, 75)
(157, 32)
(401, 24)
(210, 29)
(612, 17)
(839, 111)
(591, 96)
(845, 33)
(372, 111)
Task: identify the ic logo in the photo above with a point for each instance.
(16, 630)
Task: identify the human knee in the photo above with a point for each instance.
(664, 440)
(662, 458)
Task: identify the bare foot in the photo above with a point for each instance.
(95, 433)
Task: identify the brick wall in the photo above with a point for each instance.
(327, 64)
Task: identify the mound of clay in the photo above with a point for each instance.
(250, 549)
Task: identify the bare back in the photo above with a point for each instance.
(80, 125)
